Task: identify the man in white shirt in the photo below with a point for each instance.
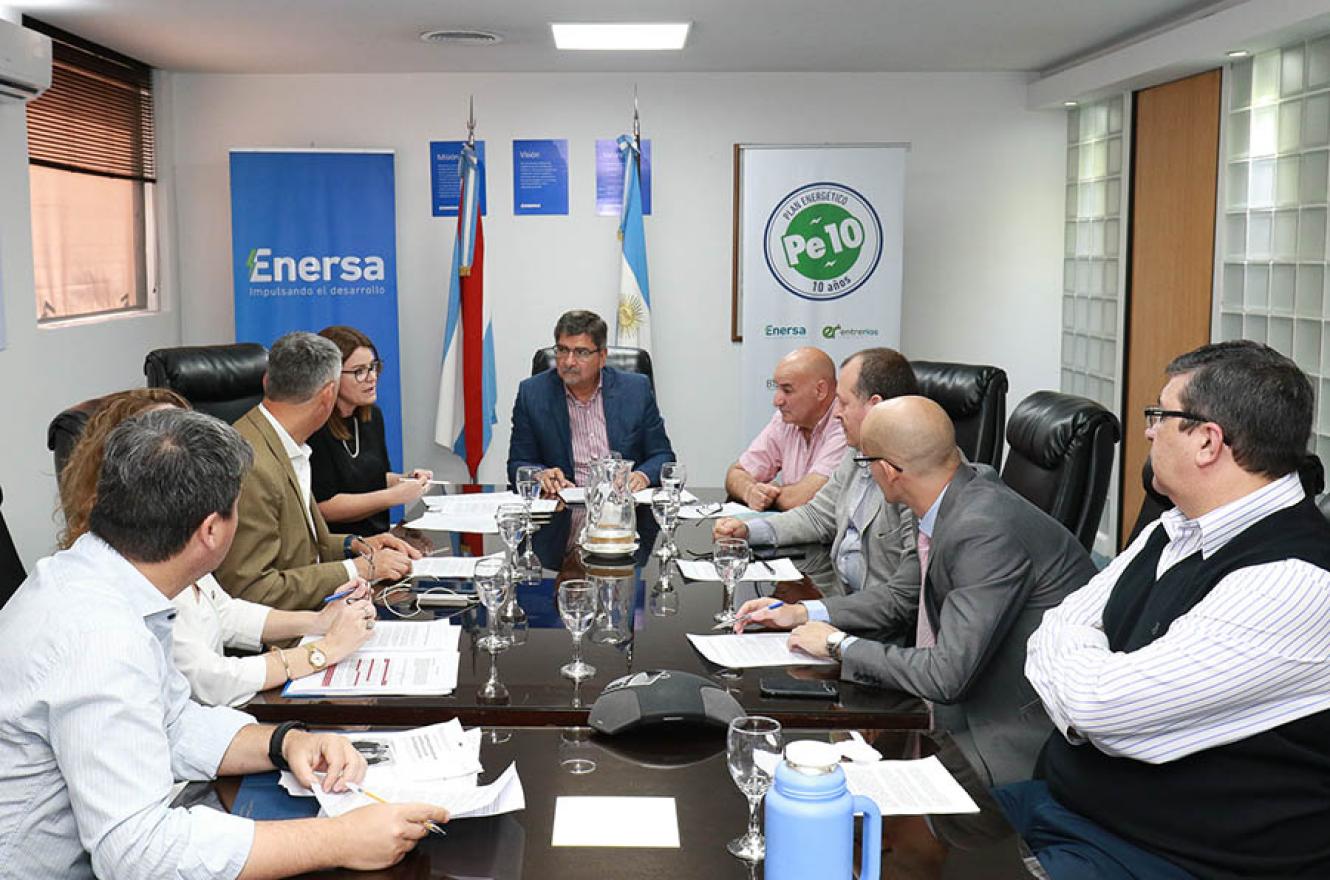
(96, 722)
(283, 555)
(1189, 682)
(802, 444)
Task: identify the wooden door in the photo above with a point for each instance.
(1175, 163)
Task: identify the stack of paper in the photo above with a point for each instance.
(909, 788)
(438, 764)
(402, 657)
(471, 513)
(463, 567)
(716, 510)
(757, 570)
(753, 649)
(577, 495)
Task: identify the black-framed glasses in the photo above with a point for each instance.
(1156, 414)
(866, 460)
(581, 354)
(374, 367)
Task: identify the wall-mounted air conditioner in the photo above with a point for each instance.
(25, 62)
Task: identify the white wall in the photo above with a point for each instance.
(983, 235)
(42, 371)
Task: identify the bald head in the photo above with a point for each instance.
(805, 386)
(914, 434)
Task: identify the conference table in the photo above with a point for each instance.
(659, 608)
(690, 768)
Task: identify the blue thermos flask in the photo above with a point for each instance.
(810, 819)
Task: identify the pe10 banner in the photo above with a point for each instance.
(820, 232)
(314, 243)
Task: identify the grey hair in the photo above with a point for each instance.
(579, 322)
(299, 365)
(163, 473)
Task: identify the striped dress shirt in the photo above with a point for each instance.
(586, 423)
(95, 725)
(1252, 655)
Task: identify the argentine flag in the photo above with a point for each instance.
(467, 398)
(634, 318)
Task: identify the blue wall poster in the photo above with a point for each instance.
(445, 185)
(540, 177)
(314, 243)
(609, 177)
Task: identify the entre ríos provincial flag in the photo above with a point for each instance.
(467, 396)
(634, 317)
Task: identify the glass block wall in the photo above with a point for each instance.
(1094, 264)
(1273, 253)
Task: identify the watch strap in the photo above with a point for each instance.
(275, 742)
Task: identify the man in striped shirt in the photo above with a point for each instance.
(1190, 680)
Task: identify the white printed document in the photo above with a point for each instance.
(646, 822)
(716, 510)
(391, 636)
(482, 503)
(577, 495)
(749, 650)
(456, 567)
(462, 799)
(757, 570)
(909, 788)
(381, 673)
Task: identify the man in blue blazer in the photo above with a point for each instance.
(581, 409)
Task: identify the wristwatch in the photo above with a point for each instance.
(314, 654)
(833, 644)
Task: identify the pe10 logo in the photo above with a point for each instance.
(823, 241)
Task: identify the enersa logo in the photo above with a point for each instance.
(264, 268)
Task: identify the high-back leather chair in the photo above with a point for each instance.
(63, 434)
(975, 396)
(11, 567)
(630, 360)
(225, 381)
(1060, 458)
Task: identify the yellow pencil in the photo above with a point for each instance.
(360, 789)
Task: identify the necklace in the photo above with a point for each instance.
(355, 424)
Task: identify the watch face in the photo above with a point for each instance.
(317, 658)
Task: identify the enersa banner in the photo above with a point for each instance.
(314, 243)
(819, 256)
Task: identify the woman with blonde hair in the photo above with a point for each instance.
(207, 619)
(352, 480)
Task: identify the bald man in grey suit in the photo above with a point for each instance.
(993, 564)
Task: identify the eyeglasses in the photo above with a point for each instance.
(363, 373)
(866, 460)
(581, 354)
(1155, 414)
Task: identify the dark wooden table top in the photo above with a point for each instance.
(656, 639)
(690, 767)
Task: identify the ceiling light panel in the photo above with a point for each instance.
(621, 37)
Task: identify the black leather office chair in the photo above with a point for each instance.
(11, 567)
(1311, 472)
(225, 381)
(975, 396)
(1061, 456)
(630, 360)
(62, 435)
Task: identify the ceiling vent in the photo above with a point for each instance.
(453, 37)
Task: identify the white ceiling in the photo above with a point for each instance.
(252, 36)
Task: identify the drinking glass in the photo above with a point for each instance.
(664, 598)
(730, 557)
(494, 692)
(494, 588)
(577, 607)
(673, 475)
(529, 488)
(511, 519)
(665, 508)
(576, 753)
(752, 751)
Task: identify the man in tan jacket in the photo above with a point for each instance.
(283, 554)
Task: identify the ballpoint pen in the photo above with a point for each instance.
(772, 607)
(340, 594)
(360, 789)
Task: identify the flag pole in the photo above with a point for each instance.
(637, 133)
(471, 121)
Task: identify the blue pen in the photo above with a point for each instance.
(340, 595)
(772, 607)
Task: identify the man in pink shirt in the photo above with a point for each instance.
(802, 442)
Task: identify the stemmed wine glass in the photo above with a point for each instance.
(673, 475)
(494, 588)
(511, 519)
(577, 607)
(528, 487)
(730, 557)
(752, 751)
(665, 508)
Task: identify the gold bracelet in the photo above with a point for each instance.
(281, 655)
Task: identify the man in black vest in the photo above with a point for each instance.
(1190, 680)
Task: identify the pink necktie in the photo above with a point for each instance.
(923, 633)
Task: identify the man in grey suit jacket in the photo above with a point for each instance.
(993, 564)
(872, 542)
